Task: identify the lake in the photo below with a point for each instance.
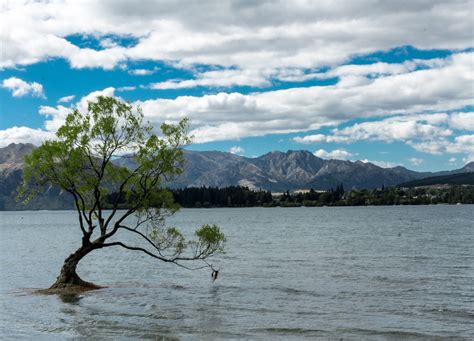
(373, 273)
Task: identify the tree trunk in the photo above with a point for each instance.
(68, 278)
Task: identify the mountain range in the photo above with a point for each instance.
(275, 171)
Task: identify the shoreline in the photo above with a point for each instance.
(241, 207)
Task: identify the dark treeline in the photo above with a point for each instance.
(233, 196)
(384, 196)
(236, 196)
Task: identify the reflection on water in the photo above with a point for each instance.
(70, 298)
(365, 273)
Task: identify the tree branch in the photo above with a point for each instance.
(137, 249)
(141, 235)
(174, 261)
(122, 185)
(79, 211)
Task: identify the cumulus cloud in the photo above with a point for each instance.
(320, 138)
(106, 59)
(142, 72)
(236, 150)
(91, 97)
(20, 88)
(383, 164)
(339, 154)
(66, 99)
(233, 115)
(429, 133)
(460, 144)
(221, 78)
(416, 161)
(357, 73)
(392, 129)
(266, 35)
(56, 116)
(255, 44)
(24, 135)
(126, 88)
(227, 116)
(468, 159)
(452, 161)
(397, 128)
(462, 120)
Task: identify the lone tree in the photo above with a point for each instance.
(80, 161)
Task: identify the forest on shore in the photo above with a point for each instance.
(236, 196)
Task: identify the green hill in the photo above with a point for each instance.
(452, 179)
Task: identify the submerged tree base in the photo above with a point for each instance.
(71, 284)
(68, 289)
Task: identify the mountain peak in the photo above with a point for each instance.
(469, 167)
(14, 152)
(20, 145)
(276, 171)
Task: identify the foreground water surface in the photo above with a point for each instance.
(289, 273)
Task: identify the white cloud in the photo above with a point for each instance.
(320, 138)
(221, 78)
(452, 161)
(461, 144)
(20, 88)
(462, 120)
(236, 150)
(142, 72)
(383, 164)
(108, 43)
(106, 59)
(23, 135)
(415, 161)
(66, 99)
(228, 116)
(357, 73)
(317, 138)
(256, 43)
(428, 133)
(396, 128)
(261, 35)
(83, 103)
(126, 88)
(225, 116)
(392, 129)
(372, 69)
(339, 154)
(56, 116)
(468, 159)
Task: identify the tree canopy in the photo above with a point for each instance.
(80, 161)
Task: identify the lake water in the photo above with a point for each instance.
(381, 273)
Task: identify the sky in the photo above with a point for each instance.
(387, 82)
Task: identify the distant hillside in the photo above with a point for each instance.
(276, 171)
(280, 171)
(11, 171)
(453, 179)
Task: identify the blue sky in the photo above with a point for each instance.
(343, 80)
